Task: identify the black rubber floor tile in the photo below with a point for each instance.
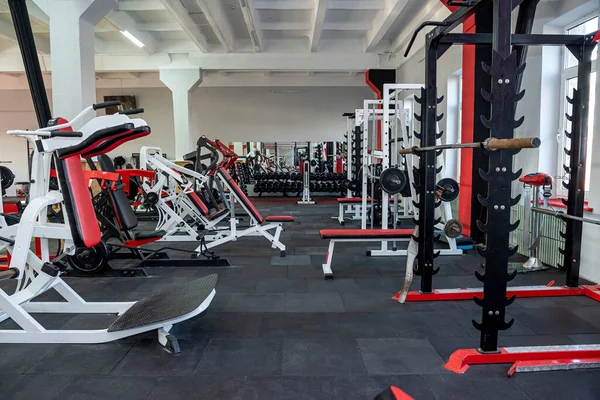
(281, 285)
(104, 387)
(361, 387)
(558, 385)
(236, 285)
(389, 285)
(149, 358)
(309, 250)
(31, 387)
(18, 358)
(585, 338)
(339, 285)
(554, 321)
(298, 325)
(589, 314)
(257, 302)
(199, 387)
(303, 260)
(445, 346)
(290, 388)
(380, 325)
(295, 271)
(475, 387)
(535, 340)
(344, 270)
(48, 321)
(400, 356)
(242, 357)
(365, 302)
(308, 357)
(90, 321)
(313, 302)
(221, 325)
(81, 359)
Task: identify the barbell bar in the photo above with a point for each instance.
(490, 144)
(559, 214)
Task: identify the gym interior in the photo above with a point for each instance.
(299, 199)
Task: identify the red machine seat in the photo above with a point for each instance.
(366, 233)
(280, 218)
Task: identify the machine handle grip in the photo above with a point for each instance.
(106, 104)
(65, 134)
(517, 143)
(131, 112)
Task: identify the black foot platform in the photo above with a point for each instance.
(174, 302)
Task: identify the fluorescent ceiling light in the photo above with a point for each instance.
(135, 40)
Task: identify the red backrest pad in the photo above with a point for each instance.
(198, 203)
(241, 196)
(78, 202)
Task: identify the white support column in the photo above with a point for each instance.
(72, 24)
(182, 81)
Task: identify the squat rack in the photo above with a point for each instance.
(505, 69)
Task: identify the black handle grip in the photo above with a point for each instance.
(419, 28)
(131, 112)
(65, 134)
(106, 104)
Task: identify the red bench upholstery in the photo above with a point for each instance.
(351, 200)
(195, 199)
(241, 196)
(280, 218)
(366, 233)
(218, 213)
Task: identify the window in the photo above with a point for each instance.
(569, 79)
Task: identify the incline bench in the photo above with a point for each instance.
(358, 235)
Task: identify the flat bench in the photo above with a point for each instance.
(358, 235)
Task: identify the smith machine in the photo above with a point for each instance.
(501, 55)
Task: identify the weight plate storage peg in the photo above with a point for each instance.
(393, 180)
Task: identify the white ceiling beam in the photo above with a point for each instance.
(357, 5)
(255, 35)
(283, 5)
(182, 16)
(215, 14)
(140, 5)
(384, 20)
(7, 31)
(415, 13)
(300, 62)
(159, 27)
(285, 26)
(123, 21)
(347, 26)
(317, 24)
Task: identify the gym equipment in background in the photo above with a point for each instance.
(306, 199)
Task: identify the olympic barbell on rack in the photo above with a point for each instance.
(490, 144)
(562, 215)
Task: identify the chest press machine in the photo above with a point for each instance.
(36, 275)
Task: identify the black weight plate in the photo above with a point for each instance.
(393, 180)
(448, 189)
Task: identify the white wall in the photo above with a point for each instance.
(257, 114)
(16, 112)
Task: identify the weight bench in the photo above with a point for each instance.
(349, 201)
(259, 225)
(358, 235)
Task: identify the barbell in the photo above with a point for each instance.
(490, 144)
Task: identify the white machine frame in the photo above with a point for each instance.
(32, 281)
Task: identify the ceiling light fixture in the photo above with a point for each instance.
(133, 39)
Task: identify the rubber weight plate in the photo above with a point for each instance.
(447, 189)
(393, 180)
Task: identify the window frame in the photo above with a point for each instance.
(568, 73)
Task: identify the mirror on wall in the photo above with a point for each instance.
(322, 157)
